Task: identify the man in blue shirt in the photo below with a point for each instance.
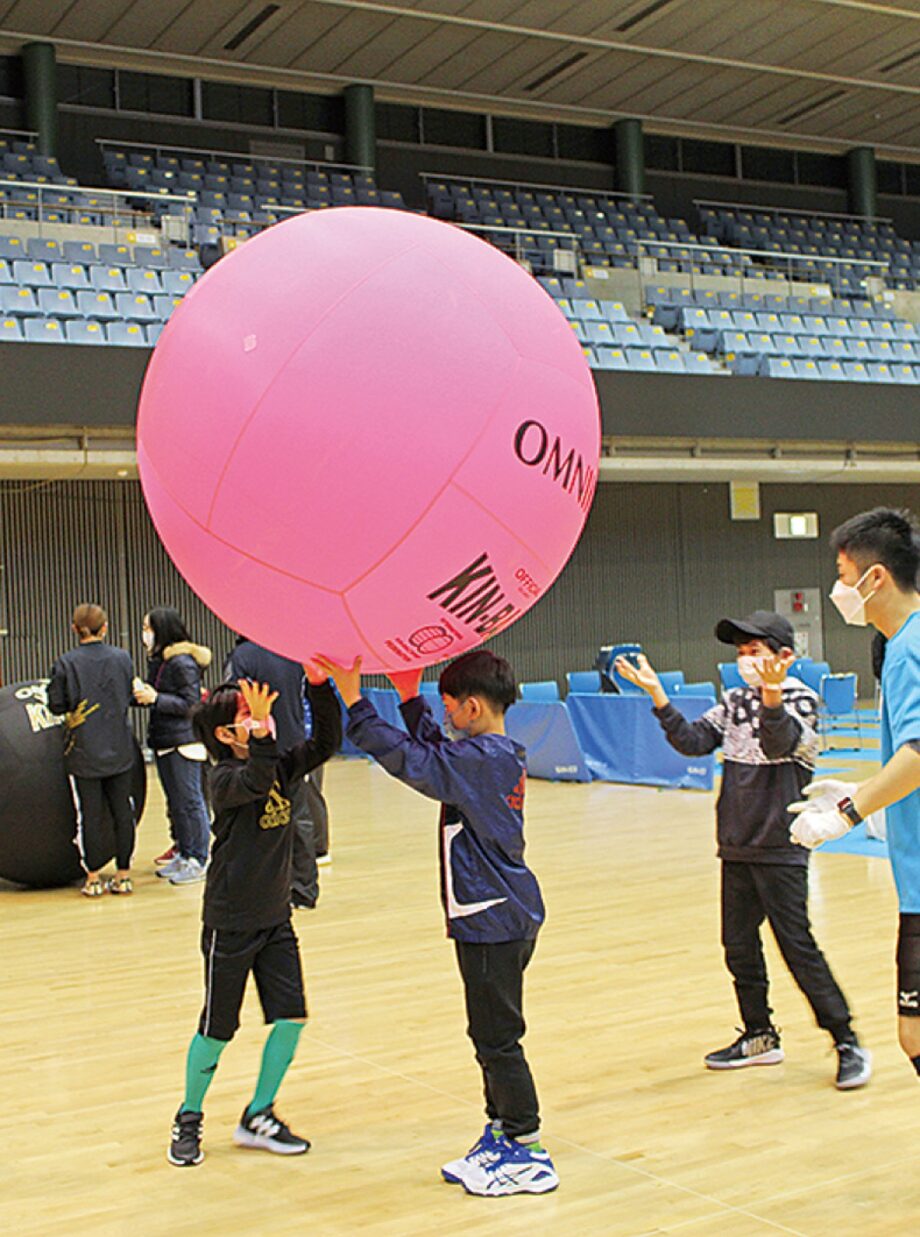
(878, 559)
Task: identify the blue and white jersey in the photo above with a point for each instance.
(900, 725)
(489, 894)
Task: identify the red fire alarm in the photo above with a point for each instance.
(799, 605)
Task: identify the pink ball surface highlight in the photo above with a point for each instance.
(368, 431)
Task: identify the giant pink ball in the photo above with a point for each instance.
(367, 431)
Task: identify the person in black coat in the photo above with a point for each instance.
(249, 660)
(172, 689)
(91, 686)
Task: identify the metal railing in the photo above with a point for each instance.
(109, 204)
(788, 210)
(239, 156)
(789, 265)
(521, 245)
(578, 191)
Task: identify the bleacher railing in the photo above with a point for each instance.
(755, 208)
(232, 156)
(520, 244)
(526, 186)
(109, 204)
(791, 266)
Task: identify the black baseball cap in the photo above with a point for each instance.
(761, 625)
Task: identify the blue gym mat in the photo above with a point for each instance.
(856, 843)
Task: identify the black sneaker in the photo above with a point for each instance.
(185, 1148)
(854, 1066)
(759, 1047)
(267, 1132)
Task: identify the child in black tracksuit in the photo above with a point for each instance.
(491, 898)
(767, 733)
(247, 903)
(92, 686)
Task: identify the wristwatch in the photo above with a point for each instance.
(846, 807)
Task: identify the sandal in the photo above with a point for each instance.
(120, 884)
(93, 889)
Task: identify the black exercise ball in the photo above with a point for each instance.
(37, 818)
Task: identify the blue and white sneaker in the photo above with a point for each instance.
(516, 1168)
(482, 1152)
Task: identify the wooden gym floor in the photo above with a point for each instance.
(626, 993)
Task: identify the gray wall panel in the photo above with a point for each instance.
(659, 563)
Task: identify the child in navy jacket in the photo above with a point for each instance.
(491, 898)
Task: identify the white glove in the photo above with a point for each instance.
(824, 794)
(812, 827)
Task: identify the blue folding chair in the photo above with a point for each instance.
(837, 712)
(728, 673)
(583, 682)
(545, 692)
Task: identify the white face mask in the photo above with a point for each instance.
(749, 669)
(850, 602)
(147, 637)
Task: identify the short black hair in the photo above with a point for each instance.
(480, 673)
(219, 709)
(168, 627)
(883, 535)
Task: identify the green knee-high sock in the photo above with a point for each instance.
(276, 1057)
(203, 1055)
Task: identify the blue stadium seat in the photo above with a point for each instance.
(177, 282)
(79, 331)
(6, 272)
(880, 371)
(107, 278)
(12, 248)
(669, 362)
(135, 307)
(588, 310)
(131, 334)
(146, 281)
(58, 303)
(149, 255)
(697, 363)
(600, 334)
(41, 250)
(98, 305)
(18, 302)
(807, 369)
(832, 370)
(611, 358)
(32, 274)
(116, 255)
(778, 367)
(44, 330)
(10, 328)
(642, 359)
(69, 275)
(856, 371)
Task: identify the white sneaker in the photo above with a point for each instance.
(483, 1151)
(190, 873)
(516, 1169)
(170, 869)
(324, 861)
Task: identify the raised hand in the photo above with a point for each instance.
(314, 674)
(259, 699)
(347, 680)
(642, 676)
(774, 668)
(406, 682)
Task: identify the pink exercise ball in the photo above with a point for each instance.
(368, 431)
